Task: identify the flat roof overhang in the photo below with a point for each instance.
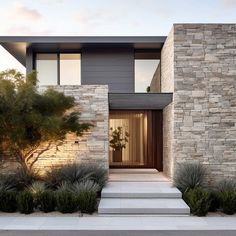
(144, 46)
(139, 101)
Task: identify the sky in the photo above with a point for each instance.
(106, 17)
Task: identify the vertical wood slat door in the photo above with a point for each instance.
(144, 147)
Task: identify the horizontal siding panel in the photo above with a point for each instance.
(114, 68)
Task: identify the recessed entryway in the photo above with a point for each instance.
(135, 139)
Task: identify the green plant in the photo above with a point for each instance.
(26, 202)
(215, 201)
(37, 187)
(32, 120)
(189, 176)
(226, 185)
(87, 185)
(75, 173)
(22, 178)
(87, 200)
(119, 138)
(47, 201)
(7, 183)
(67, 202)
(98, 174)
(86, 193)
(8, 201)
(228, 201)
(227, 195)
(198, 200)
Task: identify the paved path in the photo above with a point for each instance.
(118, 226)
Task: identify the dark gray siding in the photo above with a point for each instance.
(114, 67)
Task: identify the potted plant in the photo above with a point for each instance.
(118, 141)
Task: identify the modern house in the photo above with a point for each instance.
(188, 115)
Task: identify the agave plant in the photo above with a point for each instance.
(65, 187)
(6, 184)
(37, 188)
(76, 173)
(226, 185)
(87, 185)
(189, 176)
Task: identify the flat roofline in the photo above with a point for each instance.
(17, 45)
(83, 39)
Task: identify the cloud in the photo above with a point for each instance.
(51, 2)
(25, 30)
(229, 3)
(25, 13)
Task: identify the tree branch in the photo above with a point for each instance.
(37, 157)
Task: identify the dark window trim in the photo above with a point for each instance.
(58, 61)
(58, 69)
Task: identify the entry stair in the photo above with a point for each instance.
(126, 194)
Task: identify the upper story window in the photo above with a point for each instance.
(46, 66)
(58, 69)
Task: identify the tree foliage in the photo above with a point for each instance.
(31, 121)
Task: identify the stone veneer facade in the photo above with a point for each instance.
(199, 67)
(92, 147)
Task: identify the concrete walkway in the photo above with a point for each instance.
(118, 226)
(141, 191)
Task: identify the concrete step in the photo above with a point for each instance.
(133, 171)
(136, 177)
(143, 206)
(140, 190)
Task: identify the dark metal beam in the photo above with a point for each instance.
(139, 101)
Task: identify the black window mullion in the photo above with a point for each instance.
(58, 68)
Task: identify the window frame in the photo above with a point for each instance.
(58, 62)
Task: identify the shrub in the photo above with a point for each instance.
(7, 183)
(189, 176)
(227, 195)
(8, 201)
(87, 185)
(36, 189)
(226, 185)
(228, 201)
(23, 178)
(215, 202)
(74, 173)
(26, 202)
(87, 195)
(47, 201)
(198, 200)
(53, 178)
(67, 202)
(98, 174)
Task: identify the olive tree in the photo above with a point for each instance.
(31, 121)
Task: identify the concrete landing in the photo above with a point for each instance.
(137, 175)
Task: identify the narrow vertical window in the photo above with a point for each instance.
(46, 66)
(70, 69)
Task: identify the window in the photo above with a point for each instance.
(46, 66)
(58, 69)
(144, 72)
(70, 69)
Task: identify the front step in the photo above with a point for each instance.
(143, 206)
(140, 190)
